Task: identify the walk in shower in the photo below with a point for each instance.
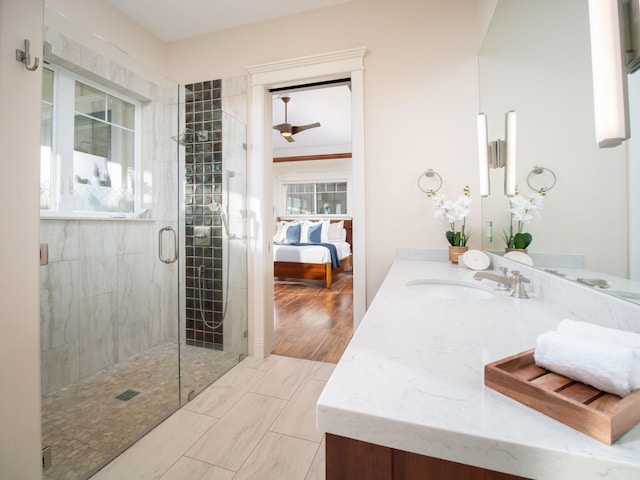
(139, 312)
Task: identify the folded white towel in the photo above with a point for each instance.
(606, 366)
(596, 332)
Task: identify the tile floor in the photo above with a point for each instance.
(256, 422)
(85, 424)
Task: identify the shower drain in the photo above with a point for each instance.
(127, 395)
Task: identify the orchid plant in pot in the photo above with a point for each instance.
(522, 210)
(455, 213)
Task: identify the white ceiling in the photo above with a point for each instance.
(171, 20)
(331, 106)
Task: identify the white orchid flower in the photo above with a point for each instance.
(522, 211)
(453, 212)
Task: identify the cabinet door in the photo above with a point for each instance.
(349, 459)
(410, 466)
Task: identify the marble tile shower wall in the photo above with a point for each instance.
(203, 185)
(98, 298)
(104, 294)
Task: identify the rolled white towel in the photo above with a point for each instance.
(606, 366)
(596, 332)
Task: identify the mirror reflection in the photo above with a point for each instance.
(536, 60)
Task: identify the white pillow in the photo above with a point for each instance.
(325, 230)
(281, 231)
(324, 234)
(336, 232)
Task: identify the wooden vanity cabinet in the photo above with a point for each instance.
(348, 459)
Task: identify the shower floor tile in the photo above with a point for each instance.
(85, 424)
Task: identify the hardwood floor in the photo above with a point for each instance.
(313, 322)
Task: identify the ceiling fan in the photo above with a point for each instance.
(286, 129)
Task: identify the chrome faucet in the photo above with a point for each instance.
(515, 282)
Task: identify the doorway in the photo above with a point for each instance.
(312, 183)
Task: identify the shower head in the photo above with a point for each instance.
(200, 136)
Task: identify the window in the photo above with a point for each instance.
(88, 147)
(329, 198)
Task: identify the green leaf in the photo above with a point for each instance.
(522, 240)
(451, 237)
(464, 240)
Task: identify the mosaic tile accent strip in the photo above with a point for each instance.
(203, 165)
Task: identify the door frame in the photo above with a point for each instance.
(263, 77)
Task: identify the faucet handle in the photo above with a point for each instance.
(518, 290)
(503, 286)
(518, 275)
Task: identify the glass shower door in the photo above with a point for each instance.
(110, 229)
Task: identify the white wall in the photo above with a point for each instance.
(421, 99)
(20, 92)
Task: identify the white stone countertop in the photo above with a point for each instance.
(412, 378)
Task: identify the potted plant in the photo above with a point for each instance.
(521, 211)
(454, 212)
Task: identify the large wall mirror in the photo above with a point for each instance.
(536, 60)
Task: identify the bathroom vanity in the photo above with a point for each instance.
(407, 400)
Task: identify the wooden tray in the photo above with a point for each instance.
(603, 416)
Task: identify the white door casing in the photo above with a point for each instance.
(327, 66)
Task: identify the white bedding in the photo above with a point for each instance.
(308, 253)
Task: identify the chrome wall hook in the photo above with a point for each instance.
(24, 56)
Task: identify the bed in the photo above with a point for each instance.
(311, 260)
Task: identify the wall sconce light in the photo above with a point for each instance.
(483, 155)
(510, 162)
(609, 72)
(497, 154)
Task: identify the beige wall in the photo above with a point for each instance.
(421, 99)
(19, 187)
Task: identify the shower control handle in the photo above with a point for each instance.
(161, 246)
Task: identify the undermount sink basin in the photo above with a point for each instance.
(450, 289)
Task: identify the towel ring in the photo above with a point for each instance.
(430, 174)
(537, 170)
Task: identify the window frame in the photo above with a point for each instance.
(315, 180)
(63, 118)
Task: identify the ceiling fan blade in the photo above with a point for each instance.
(286, 129)
(283, 128)
(300, 128)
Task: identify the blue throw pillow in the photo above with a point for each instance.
(315, 233)
(292, 233)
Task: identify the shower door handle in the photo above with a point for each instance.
(161, 246)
